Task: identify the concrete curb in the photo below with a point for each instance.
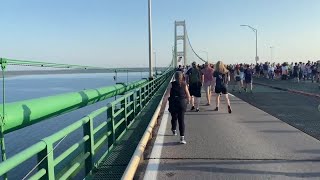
(138, 153)
(289, 90)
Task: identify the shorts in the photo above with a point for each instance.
(195, 89)
(248, 80)
(242, 75)
(221, 89)
(207, 85)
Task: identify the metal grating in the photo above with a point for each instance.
(115, 164)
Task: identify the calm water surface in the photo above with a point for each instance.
(28, 87)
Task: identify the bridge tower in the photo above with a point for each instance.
(180, 36)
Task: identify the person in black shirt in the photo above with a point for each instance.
(222, 78)
(195, 78)
(177, 104)
(257, 70)
(248, 78)
(296, 71)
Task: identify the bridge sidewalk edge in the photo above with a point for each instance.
(138, 153)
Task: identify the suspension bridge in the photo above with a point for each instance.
(131, 138)
(101, 146)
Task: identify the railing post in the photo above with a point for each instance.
(140, 100)
(152, 89)
(2, 118)
(148, 91)
(110, 114)
(133, 99)
(47, 164)
(124, 105)
(143, 92)
(89, 145)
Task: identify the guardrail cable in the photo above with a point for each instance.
(15, 62)
(43, 158)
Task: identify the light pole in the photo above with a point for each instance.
(271, 53)
(150, 40)
(155, 61)
(207, 55)
(256, 31)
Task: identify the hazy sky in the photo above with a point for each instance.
(113, 33)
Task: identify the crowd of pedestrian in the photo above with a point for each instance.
(186, 88)
(216, 78)
(295, 71)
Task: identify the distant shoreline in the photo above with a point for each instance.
(74, 71)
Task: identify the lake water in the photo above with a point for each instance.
(35, 86)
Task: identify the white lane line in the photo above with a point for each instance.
(153, 164)
(231, 95)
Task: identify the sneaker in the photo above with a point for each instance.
(197, 110)
(192, 108)
(229, 109)
(174, 132)
(182, 141)
(216, 109)
(208, 104)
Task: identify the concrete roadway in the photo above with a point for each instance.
(247, 144)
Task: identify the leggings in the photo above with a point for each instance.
(180, 117)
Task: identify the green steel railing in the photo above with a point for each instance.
(24, 113)
(120, 115)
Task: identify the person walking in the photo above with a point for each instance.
(241, 75)
(284, 71)
(271, 72)
(296, 72)
(248, 78)
(195, 81)
(313, 72)
(237, 78)
(222, 78)
(208, 81)
(177, 104)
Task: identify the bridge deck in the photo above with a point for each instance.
(247, 144)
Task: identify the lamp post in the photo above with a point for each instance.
(271, 54)
(155, 61)
(256, 31)
(150, 40)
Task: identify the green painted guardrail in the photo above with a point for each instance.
(120, 115)
(25, 113)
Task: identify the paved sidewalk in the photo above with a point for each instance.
(247, 144)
